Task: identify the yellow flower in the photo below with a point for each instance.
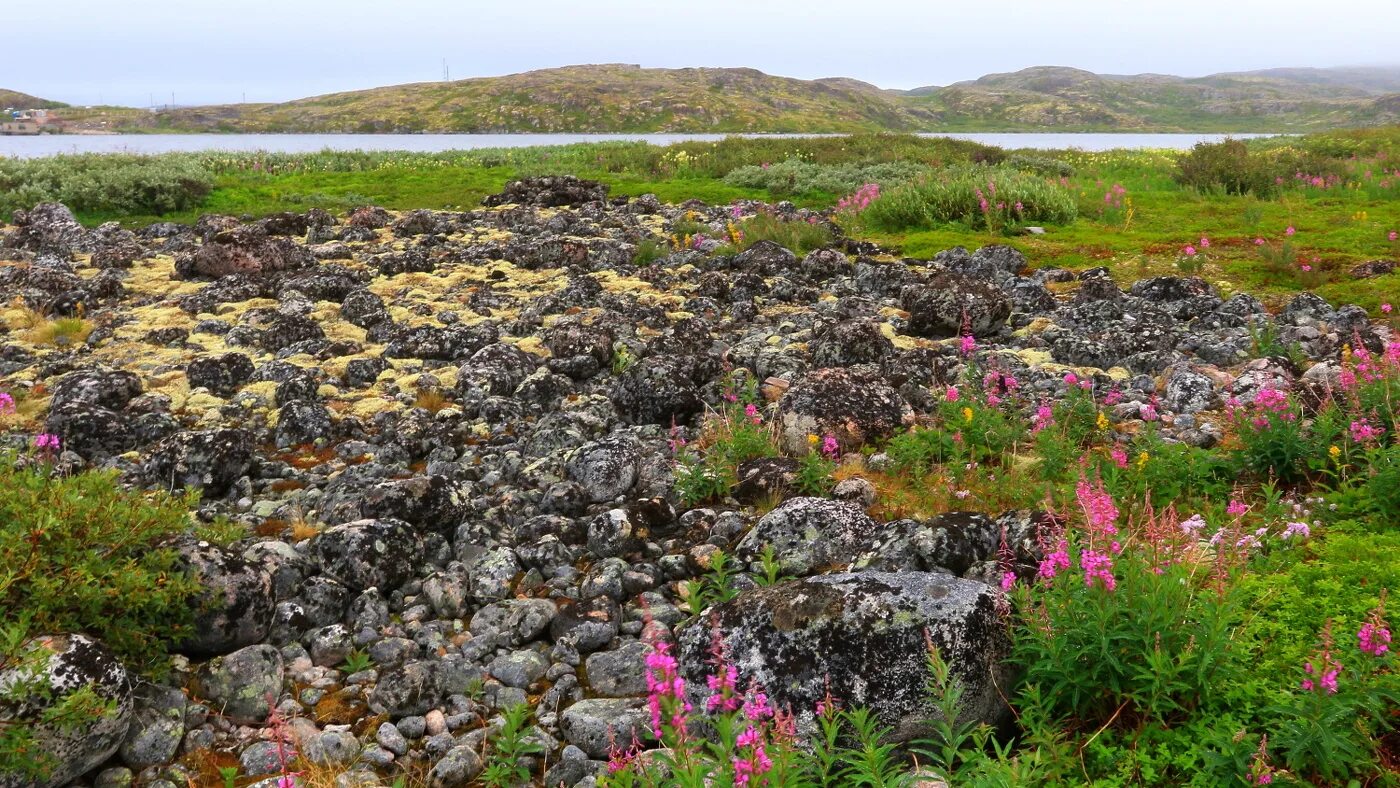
(1334, 451)
(1142, 459)
(1102, 421)
(812, 440)
(1346, 353)
(967, 414)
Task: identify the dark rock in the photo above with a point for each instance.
(222, 375)
(855, 406)
(952, 304)
(369, 553)
(860, 637)
(810, 534)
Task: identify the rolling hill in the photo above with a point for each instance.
(16, 100)
(627, 98)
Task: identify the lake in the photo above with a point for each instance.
(53, 144)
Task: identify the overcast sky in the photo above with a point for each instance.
(135, 51)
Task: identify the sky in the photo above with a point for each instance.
(137, 52)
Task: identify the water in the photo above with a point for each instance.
(52, 144)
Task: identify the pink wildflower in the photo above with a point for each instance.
(1120, 457)
(1393, 235)
(46, 441)
(7, 402)
(666, 690)
(830, 447)
(1189, 250)
(1385, 308)
(1236, 508)
(1055, 562)
(1258, 241)
(1071, 378)
(1097, 566)
(1205, 242)
(752, 412)
(1290, 231)
(1363, 432)
(951, 394)
(1044, 417)
(967, 345)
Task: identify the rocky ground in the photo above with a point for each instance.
(451, 434)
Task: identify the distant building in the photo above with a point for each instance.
(14, 122)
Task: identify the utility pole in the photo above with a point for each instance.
(446, 75)
(172, 99)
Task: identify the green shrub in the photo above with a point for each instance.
(1041, 165)
(80, 554)
(799, 236)
(795, 176)
(991, 198)
(105, 183)
(1231, 167)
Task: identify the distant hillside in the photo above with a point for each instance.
(1056, 97)
(16, 100)
(622, 98)
(608, 98)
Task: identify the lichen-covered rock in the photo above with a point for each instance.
(860, 637)
(850, 342)
(853, 405)
(369, 553)
(302, 422)
(65, 664)
(951, 304)
(235, 608)
(157, 727)
(657, 390)
(223, 375)
(245, 250)
(48, 228)
(550, 191)
(606, 468)
(208, 460)
(595, 725)
(243, 686)
(810, 534)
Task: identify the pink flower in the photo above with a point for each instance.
(1295, 529)
(1071, 378)
(1385, 308)
(1305, 267)
(1044, 417)
(1236, 508)
(830, 447)
(951, 394)
(1363, 432)
(1290, 231)
(1097, 566)
(7, 402)
(1120, 457)
(1189, 251)
(1055, 562)
(752, 412)
(1008, 579)
(1148, 412)
(1258, 241)
(46, 441)
(1374, 640)
(967, 345)
(1393, 235)
(1205, 242)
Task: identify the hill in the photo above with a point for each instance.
(626, 98)
(16, 100)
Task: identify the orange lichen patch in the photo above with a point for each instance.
(342, 707)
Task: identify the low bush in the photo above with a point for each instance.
(1231, 167)
(795, 176)
(1043, 166)
(106, 183)
(990, 198)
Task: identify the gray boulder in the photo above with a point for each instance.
(807, 534)
(243, 686)
(65, 664)
(595, 724)
(853, 405)
(157, 727)
(235, 609)
(862, 637)
(369, 553)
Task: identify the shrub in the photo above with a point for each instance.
(795, 176)
(1040, 165)
(1230, 167)
(991, 198)
(80, 554)
(105, 183)
(799, 236)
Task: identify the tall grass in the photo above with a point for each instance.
(991, 198)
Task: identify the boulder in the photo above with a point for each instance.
(810, 534)
(243, 686)
(369, 553)
(950, 304)
(65, 664)
(861, 637)
(235, 608)
(854, 405)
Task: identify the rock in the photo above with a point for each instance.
(950, 304)
(606, 469)
(1189, 392)
(222, 375)
(595, 724)
(157, 727)
(235, 608)
(620, 673)
(850, 342)
(48, 228)
(862, 637)
(245, 250)
(657, 391)
(518, 669)
(210, 460)
(302, 422)
(243, 686)
(457, 769)
(550, 191)
(765, 479)
(369, 553)
(65, 664)
(408, 690)
(855, 406)
(809, 534)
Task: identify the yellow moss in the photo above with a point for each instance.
(532, 345)
(373, 405)
(900, 341)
